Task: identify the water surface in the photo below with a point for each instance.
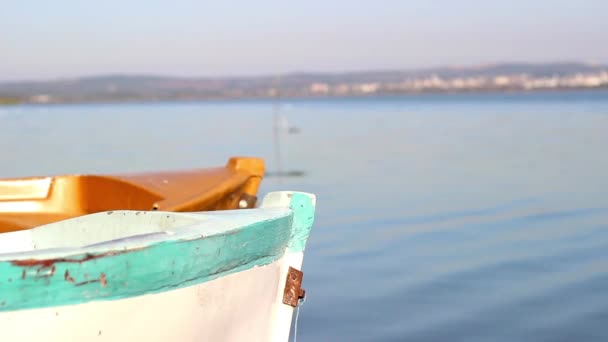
(440, 217)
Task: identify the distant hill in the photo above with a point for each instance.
(117, 88)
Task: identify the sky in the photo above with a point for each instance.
(69, 38)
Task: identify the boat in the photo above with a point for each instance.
(30, 202)
(155, 275)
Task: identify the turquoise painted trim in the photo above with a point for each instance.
(162, 266)
(304, 216)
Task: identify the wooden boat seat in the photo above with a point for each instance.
(30, 202)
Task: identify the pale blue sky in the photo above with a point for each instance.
(65, 38)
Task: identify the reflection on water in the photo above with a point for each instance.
(283, 174)
(452, 217)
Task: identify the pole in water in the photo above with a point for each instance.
(277, 127)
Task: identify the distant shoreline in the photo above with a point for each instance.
(498, 78)
(9, 101)
(313, 98)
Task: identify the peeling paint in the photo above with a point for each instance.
(67, 277)
(48, 263)
(111, 274)
(146, 270)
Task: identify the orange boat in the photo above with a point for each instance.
(29, 202)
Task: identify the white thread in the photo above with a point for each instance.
(295, 327)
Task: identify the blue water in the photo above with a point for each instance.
(440, 217)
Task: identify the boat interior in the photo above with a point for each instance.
(30, 202)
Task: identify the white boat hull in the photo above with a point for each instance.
(237, 307)
(246, 305)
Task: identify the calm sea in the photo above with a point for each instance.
(440, 217)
